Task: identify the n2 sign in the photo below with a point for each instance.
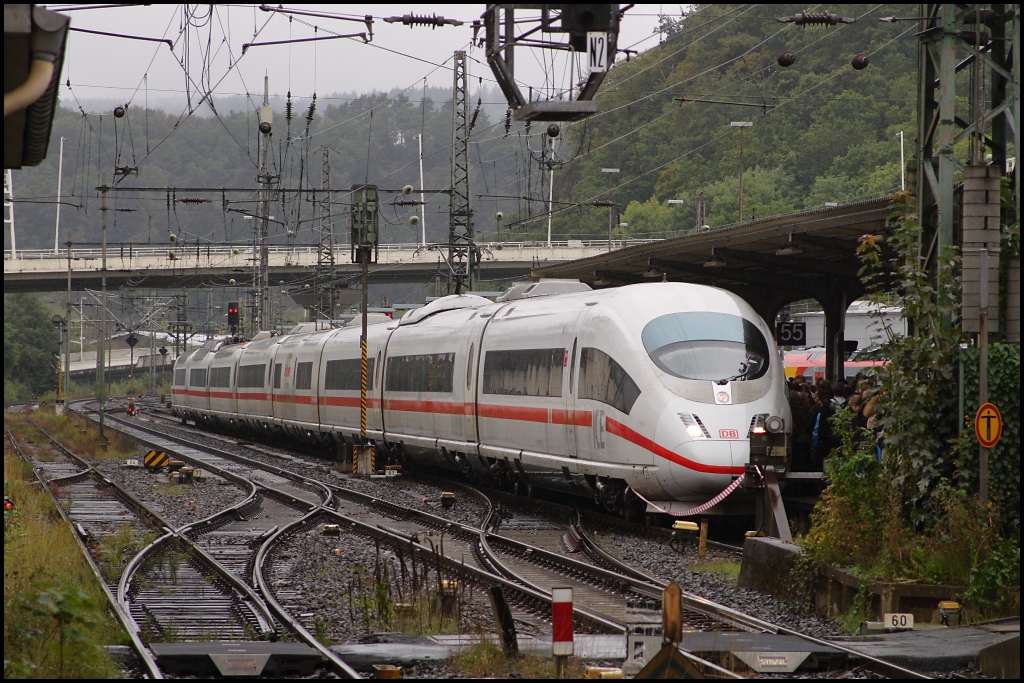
(791, 334)
(597, 51)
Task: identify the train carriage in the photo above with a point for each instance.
(428, 384)
(649, 392)
(340, 371)
(254, 382)
(223, 369)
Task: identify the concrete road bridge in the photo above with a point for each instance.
(212, 265)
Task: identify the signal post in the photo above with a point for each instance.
(365, 239)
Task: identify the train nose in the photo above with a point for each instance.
(702, 462)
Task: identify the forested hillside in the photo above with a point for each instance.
(830, 136)
(822, 132)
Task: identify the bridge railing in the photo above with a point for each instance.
(132, 250)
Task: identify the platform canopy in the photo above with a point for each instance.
(770, 262)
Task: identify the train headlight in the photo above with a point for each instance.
(775, 424)
(695, 432)
(723, 397)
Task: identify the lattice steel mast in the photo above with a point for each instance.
(463, 256)
(323, 283)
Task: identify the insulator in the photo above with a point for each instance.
(194, 200)
(787, 58)
(476, 113)
(860, 61)
(288, 108)
(311, 111)
(822, 18)
(508, 121)
(423, 20)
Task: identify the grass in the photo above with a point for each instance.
(56, 623)
(723, 568)
(486, 659)
(77, 434)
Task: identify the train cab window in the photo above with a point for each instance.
(251, 376)
(179, 377)
(304, 376)
(277, 376)
(428, 372)
(347, 374)
(197, 378)
(604, 380)
(707, 346)
(524, 372)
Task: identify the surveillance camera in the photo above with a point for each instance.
(231, 282)
(499, 216)
(265, 128)
(414, 219)
(407, 189)
(553, 130)
(291, 233)
(172, 237)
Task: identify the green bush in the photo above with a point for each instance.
(915, 514)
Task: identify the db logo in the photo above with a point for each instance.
(728, 434)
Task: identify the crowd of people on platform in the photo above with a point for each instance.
(813, 403)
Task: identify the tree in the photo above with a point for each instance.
(31, 344)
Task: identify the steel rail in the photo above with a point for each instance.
(696, 602)
(141, 651)
(268, 601)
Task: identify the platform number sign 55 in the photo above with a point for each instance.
(791, 334)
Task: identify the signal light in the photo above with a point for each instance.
(232, 314)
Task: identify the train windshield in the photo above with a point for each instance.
(707, 346)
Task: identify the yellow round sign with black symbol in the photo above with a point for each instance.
(988, 425)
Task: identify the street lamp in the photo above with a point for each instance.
(676, 202)
(741, 125)
(611, 206)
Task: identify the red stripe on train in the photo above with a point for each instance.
(617, 428)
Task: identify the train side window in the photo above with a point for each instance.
(604, 380)
(250, 376)
(304, 376)
(469, 366)
(572, 366)
(347, 374)
(179, 377)
(197, 378)
(428, 372)
(277, 376)
(524, 372)
(220, 378)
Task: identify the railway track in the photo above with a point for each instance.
(186, 584)
(525, 551)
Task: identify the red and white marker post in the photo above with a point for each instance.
(561, 633)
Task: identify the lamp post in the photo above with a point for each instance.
(903, 166)
(741, 125)
(611, 206)
(676, 202)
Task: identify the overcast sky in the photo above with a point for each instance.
(209, 42)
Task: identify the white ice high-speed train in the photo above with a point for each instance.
(645, 392)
